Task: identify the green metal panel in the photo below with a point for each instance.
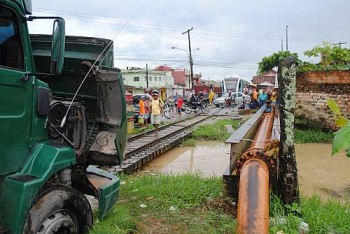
(18, 190)
(16, 96)
(107, 194)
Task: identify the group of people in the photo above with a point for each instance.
(259, 98)
(153, 109)
(175, 103)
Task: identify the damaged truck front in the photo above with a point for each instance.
(62, 112)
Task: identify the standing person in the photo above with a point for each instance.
(156, 110)
(274, 96)
(211, 97)
(180, 104)
(171, 104)
(147, 107)
(255, 98)
(262, 97)
(141, 120)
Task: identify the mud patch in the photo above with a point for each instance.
(225, 206)
(153, 225)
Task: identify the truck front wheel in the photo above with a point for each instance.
(59, 209)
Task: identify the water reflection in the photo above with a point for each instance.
(208, 158)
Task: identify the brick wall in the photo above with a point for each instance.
(313, 91)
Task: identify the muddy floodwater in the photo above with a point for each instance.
(208, 158)
(322, 174)
(319, 172)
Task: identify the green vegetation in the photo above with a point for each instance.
(215, 131)
(321, 217)
(341, 137)
(310, 135)
(332, 57)
(192, 204)
(168, 204)
(269, 62)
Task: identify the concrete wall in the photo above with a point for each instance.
(313, 91)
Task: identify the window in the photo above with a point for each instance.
(136, 78)
(11, 53)
(155, 78)
(150, 79)
(160, 79)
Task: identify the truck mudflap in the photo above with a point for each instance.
(106, 187)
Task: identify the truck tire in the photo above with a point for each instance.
(59, 209)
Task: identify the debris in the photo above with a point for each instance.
(143, 206)
(173, 208)
(304, 228)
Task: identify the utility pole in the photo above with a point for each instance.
(282, 45)
(190, 53)
(340, 43)
(147, 76)
(287, 38)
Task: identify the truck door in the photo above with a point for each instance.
(16, 93)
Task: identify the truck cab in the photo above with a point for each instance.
(62, 114)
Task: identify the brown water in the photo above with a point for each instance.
(319, 172)
(322, 174)
(208, 158)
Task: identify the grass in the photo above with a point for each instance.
(312, 136)
(321, 217)
(171, 204)
(215, 131)
(193, 204)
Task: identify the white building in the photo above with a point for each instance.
(137, 77)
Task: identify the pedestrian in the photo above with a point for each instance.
(262, 98)
(274, 96)
(156, 110)
(255, 98)
(147, 107)
(141, 119)
(180, 104)
(171, 104)
(211, 97)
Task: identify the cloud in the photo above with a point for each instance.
(233, 36)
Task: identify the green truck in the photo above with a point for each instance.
(62, 114)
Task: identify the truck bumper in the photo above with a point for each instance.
(106, 187)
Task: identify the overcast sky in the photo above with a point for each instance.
(232, 36)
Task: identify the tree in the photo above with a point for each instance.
(332, 56)
(273, 60)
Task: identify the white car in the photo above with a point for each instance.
(236, 99)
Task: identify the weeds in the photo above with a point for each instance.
(173, 204)
(329, 217)
(312, 136)
(215, 131)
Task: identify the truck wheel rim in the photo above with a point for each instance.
(60, 221)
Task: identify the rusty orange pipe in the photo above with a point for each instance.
(253, 198)
(264, 132)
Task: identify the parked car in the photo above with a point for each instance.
(136, 100)
(235, 99)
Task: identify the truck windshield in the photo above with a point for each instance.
(10, 47)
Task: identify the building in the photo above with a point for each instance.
(144, 80)
(265, 77)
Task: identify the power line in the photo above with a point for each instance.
(171, 27)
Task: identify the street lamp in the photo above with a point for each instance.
(191, 62)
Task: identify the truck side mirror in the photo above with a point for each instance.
(58, 47)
